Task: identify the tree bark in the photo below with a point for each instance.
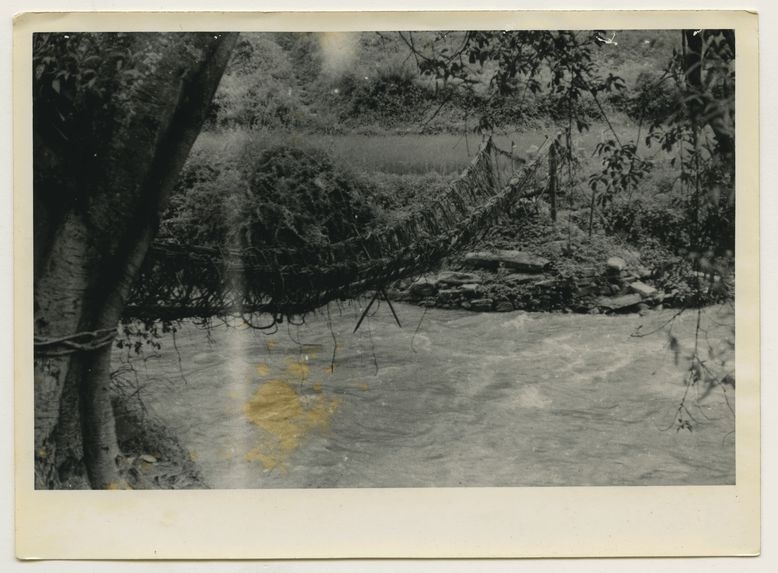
(95, 217)
(552, 179)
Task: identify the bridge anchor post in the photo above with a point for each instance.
(383, 294)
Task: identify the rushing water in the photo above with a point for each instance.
(467, 399)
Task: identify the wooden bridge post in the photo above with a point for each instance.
(552, 179)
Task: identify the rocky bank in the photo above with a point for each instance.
(502, 280)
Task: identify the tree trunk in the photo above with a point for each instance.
(693, 66)
(552, 179)
(95, 216)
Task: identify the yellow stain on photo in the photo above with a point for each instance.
(297, 368)
(286, 418)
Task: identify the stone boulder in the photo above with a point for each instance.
(589, 272)
(447, 295)
(641, 288)
(470, 289)
(616, 264)
(457, 278)
(587, 290)
(481, 304)
(520, 278)
(423, 288)
(619, 302)
(510, 259)
(643, 272)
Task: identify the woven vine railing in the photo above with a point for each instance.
(184, 281)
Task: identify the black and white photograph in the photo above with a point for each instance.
(384, 259)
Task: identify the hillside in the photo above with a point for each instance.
(369, 82)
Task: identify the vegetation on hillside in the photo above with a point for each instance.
(372, 83)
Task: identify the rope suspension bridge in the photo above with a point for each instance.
(185, 281)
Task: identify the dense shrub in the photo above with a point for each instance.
(681, 221)
(393, 95)
(301, 198)
(280, 197)
(559, 108)
(652, 99)
(303, 51)
(639, 219)
(501, 110)
(399, 195)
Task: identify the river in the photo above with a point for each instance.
(453, 398)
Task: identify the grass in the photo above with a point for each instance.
(445, 154)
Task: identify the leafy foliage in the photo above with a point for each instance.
(652, 98)
(392, 93)
(622, 170)
(284, 197)
(74, 79)
(259, 88)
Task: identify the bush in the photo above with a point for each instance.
(681, 243)
(653, 98)
(300, 198)
(280, 197)
(639, 219)
(391, 97)
(399, 195)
